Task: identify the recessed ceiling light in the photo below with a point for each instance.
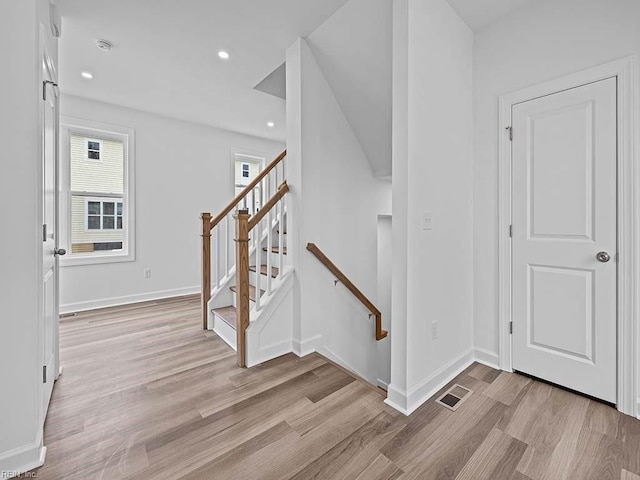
(223, 55)
(271, 124)
(87, 75)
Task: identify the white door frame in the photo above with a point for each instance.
(628, 208)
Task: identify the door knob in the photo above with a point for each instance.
(59, 251)
(603, 257)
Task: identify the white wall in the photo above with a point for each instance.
(182, 169)
(335, 202)
(353, 48)
(544, 42)
(385, 265)
(21, 270)
(432, 172)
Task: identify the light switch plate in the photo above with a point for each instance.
(427, 221)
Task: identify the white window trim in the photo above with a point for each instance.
(89, 129)
(86, 149)
(243, 156)
(101, 200)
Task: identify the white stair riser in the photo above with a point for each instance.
(235, 304)
(263, 279)
(224, 331)
(275, 260)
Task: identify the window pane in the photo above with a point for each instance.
(96, 222)
(93, 208)
(93, 223)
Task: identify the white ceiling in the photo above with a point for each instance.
(480, 13)
(165, 59)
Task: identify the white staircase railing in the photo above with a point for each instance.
(261, 204)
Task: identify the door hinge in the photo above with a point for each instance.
(44, 232)
(511, 328)
(510, 130)
(44, 88)
(44, 374)
(510, 231)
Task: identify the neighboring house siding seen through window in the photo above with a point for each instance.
(95, 207)
(97, 188)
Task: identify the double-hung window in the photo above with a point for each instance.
(105, 215)
(96, 205)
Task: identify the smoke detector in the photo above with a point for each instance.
(104, 45)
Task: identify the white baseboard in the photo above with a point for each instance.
(486, 357)
(408, 402)
(23, 459)
(383, 384)
(397, 399)
(306, 347)
(126, 300)
(638, 409)
(335, 358)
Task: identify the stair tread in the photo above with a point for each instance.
(252, 292)
(229, 314)
(263, 270)
(275, 250)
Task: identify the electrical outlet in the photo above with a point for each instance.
(147, 273)
(434, 330)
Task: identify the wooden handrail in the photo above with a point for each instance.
(282, 191)
(380, 333)
(247, 190)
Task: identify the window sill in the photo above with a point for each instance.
(78, 260)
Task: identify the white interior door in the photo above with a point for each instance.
(50, 237)
(564, 215)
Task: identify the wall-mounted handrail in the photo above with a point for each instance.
(380, 333)
(247, 190)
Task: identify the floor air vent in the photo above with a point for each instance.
(454, 397)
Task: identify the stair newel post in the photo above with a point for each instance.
(242, 281)
(206, 266)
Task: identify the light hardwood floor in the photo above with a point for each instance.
(146, 394)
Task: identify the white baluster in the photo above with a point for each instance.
(258, 265)
(226, 246)
(253, 201)
(269, 250)
(281, 237)
(216, 256)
